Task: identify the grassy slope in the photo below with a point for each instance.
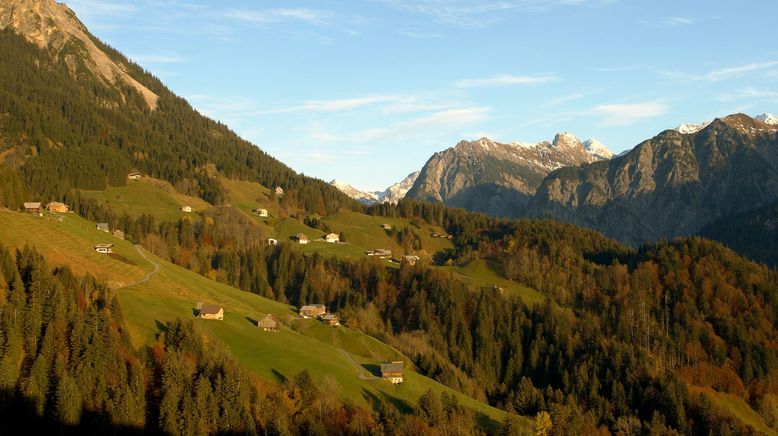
(365, 231)
(70, 242)
(148, 196)
(736, 407)
(174, 293)
(482, 272)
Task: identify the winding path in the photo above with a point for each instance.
(363, 373)
(150, 273)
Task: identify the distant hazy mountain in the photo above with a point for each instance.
(768, 119)
(670, 185)
(392, 194)
(497, 178)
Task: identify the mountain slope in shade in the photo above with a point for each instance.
(54, 26)
(497, 178)
(392, 194)
(670, 185)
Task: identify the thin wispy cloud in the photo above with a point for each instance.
(678, 21)
(271, 16)
(505, 80)
(728, 73)
(412, 128)
(750, 93)
(570, 97)
(107, 8)
(337, 105)
(157, 59)
(622, 114)
(421, 35)
(721, 74)
(469, 13)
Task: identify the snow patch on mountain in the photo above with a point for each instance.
(768, 119)
(392, 194)
(597, 149)
(689, 128)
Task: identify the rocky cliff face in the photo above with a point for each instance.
(53, 26)
(670, 185)
(497, 178)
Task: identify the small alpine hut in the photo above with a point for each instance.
(332, 238)
(135, 176)
(33, 207)
(331, 319)
(103, 227)
(302, 238)
(211, 312)
(393, 371)
(118, 234)
(386, 226)
(313, 311)
(268, 324)
(261, 212)
(186, 209)
(279, 191)
(56, 206)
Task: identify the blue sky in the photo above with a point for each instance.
(366, 91)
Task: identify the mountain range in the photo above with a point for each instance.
(670, 185)
(392, 194)
(684, 181)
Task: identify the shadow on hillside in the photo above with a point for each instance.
(440, 257)
(492, 199)
(253, 321)
(376, 401)
(18, 416)
(121, 258)
(372, 368)
(280, 377)
(161, 327)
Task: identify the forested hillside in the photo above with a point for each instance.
(67, 130)
(67, 366)
(626, 339)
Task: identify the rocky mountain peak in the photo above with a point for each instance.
(597, 149)
(53, 26)
(566, 140)
(768, 119)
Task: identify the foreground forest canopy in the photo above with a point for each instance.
(67, 365)
(627, 339)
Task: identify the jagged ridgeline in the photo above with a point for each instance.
(64, 125)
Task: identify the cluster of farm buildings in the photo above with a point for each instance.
(390, 371)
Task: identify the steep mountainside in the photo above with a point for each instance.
(753, 233)
(54, 26)
(74, 113)
(498, 178)
(670, 185)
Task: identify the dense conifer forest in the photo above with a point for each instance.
(622, 334)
